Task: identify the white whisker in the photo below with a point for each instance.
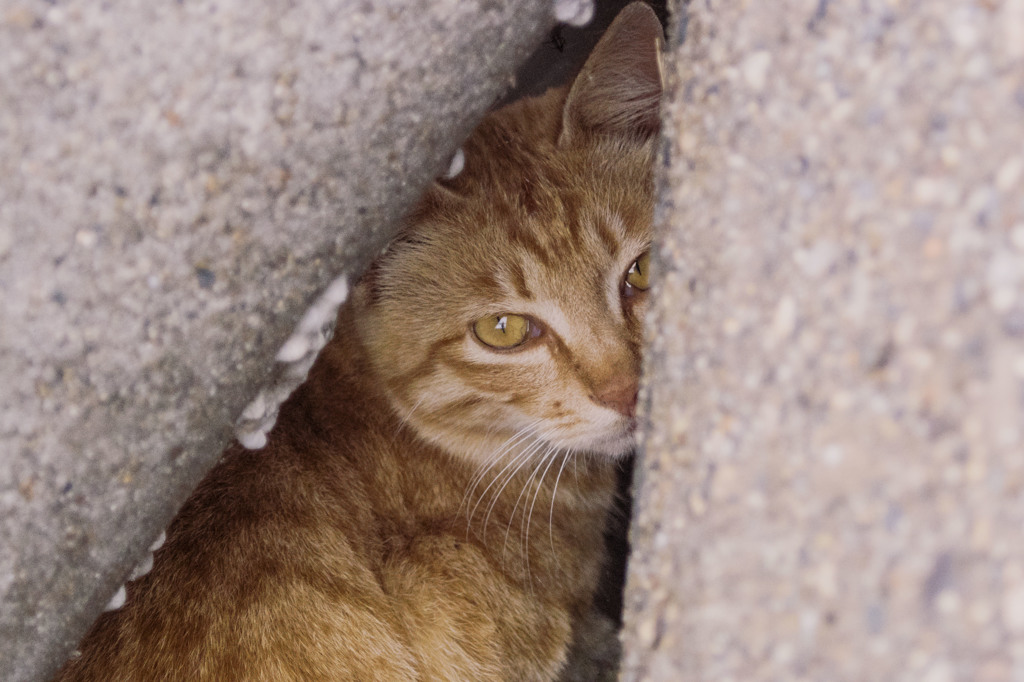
(493, 460)
(551, 510)
(524, 458)
(490, 461)
(551, 456)
(405, 420)
(522, 528)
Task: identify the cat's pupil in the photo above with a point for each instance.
(503, 331)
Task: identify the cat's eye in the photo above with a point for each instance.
(503, 331)
(638, 275)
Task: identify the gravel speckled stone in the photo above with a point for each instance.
(832, 481)
(179, 181)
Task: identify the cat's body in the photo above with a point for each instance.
(429, 506)
(285, 557)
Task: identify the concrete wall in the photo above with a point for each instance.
(833, 483)
(179, 181)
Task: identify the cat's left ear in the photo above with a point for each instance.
(618, 91)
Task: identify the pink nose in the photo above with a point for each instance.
(619, 393)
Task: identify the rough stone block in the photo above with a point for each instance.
(180, 181)
(831, 484)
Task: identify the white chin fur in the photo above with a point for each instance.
(616, 443)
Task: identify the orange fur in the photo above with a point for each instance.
(428, 508)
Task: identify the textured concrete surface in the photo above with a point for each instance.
(833, 484)
(178, 182)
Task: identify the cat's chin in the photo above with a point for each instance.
(613, 445)
(616, 447)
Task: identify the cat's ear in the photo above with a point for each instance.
(618, 91)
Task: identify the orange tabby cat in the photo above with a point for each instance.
(431, 503)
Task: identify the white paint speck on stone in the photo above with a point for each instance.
(142, 568)
(296, 357)
(337, 292)
(295, 348)
(252, 440)
(257, 408)
(316, 317)
(574, 12)
(456, 165)
(118, 600)
(159, 542)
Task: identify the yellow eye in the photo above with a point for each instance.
(502, 331)
(638, 275)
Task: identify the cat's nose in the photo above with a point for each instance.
(619, 393)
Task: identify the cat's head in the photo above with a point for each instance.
(508, 313)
